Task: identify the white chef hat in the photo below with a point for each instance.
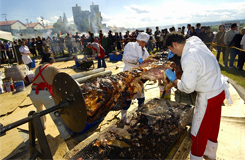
(88, 44)
(142, 36)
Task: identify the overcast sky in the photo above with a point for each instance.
(127, 13)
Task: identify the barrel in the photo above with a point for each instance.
(8, 84)
(19, 86)
(14, 72)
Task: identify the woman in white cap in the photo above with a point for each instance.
(134, 54)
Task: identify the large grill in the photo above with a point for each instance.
(153, 131)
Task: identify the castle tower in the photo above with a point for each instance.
(81, 18)
(87, 20)
(95, 18)
(65, 21)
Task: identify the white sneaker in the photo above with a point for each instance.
(192, 157)
(210, 150)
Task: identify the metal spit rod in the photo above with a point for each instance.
(79, 75)
(29, 118)
(90, 77)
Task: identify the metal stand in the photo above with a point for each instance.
(36, 130)
(70, 105)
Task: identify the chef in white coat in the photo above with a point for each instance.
(201, 73)
(134, 54)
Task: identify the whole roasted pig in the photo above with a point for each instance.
(110, 93)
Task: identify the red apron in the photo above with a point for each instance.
(102, 51)
(42, 85)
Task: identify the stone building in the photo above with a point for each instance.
(87, 20)
(34, 26)
(12, 26)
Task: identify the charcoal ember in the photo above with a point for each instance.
(158, 125)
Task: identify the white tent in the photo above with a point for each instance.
(6, 36)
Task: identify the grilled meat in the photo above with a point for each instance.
(110, 93)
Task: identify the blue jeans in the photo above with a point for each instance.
(10, 55)
(29, 65)
(150, 47)
(234, 52)
(103, 62)
(128, 103)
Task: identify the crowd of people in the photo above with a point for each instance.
(117, 41)
(201, 71)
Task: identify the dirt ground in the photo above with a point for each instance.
(16, 105)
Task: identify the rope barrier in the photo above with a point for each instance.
(225, 46)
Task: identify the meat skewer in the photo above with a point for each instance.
(109, 93)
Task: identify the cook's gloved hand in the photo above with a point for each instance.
(171, 75)
(140, 60)
(170, 55)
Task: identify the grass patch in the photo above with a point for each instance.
(235, 74)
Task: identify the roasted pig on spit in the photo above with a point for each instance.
(104, 94)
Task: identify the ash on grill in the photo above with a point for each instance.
(152, 132)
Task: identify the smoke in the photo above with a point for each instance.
(70, 20)
(55, 18)
(95, 27)
(43, 21)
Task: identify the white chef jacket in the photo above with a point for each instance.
(132, 53)
(25, 58)
(201, 73)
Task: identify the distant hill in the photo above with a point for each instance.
(193, 24)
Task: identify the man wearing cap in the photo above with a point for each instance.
(227, 39)
(42, 95)
(134, 54)
(97, 48)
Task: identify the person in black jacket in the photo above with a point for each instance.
(210, 37)
(192, 31)
(234, 52)
(77, 40)
(118, 41)
(33, 47)
(203, 35)
(39, 45)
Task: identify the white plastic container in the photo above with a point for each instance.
(30, 76)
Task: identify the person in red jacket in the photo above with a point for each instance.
(97, 48)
